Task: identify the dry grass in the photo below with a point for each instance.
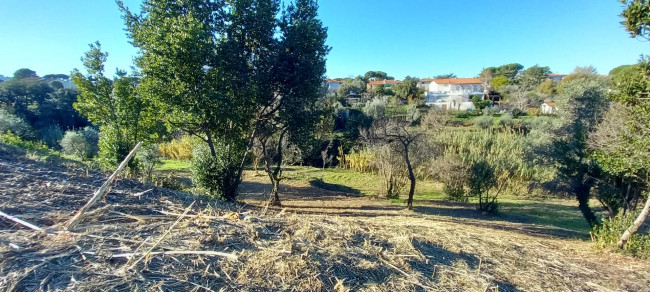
(275, 249)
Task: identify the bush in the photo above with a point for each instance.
(533, 111)
(506, 120)
(113, 149)
(482, 180)
(177, 149)
(51, 136)
(484, 122)
(376, 107)
(81, 143)
(12, 123)
(413, 114)
(453, 173)
(149, 157)
(216, 174)
(608, 235)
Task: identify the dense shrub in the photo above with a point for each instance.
(481, 181)
(12, 123)
(179, 149)
(453, 173)
(82, 143)
(413, 114)
(149, 156)
(484, 122)
(217, 175)
(51, 136)
(608, 235)
(533, 111)
(376, 107)
(113, 148)
(506, 120)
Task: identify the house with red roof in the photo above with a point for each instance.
(385, 83)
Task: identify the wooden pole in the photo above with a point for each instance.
(105, 188)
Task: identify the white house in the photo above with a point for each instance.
(548, 108)
(425, 83)
(454, 93)
(332, 85)
(556, 77)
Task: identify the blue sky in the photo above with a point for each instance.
(420, 38)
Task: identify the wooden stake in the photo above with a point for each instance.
(105, 188)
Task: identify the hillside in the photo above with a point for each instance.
(320, 241)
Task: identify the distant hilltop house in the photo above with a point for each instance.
(4, 78)
(548, 108)
(385, 83)
(65, 81)
(453, 93)
(332, 85)
(556, 77)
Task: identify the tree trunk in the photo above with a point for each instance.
(210, 142)
(409, 202)
(637, 223)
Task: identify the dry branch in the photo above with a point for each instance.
(174, 252)
(161, 238)
(102, 190)
(21, 222)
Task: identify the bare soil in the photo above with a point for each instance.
(318, 240)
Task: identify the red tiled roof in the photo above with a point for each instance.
(556, 74)
(333, 81)
(427, 79)
(458, 81)
(550, 103)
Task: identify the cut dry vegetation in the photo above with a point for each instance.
(144, 238)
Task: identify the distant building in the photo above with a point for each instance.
(425, 83)
(4, 78)
(454, 93)
(548, 108)
(556, 77)
(386, 83)
(332, 85)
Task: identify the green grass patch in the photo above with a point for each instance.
(173, 165)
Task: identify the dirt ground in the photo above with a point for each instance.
(137, 239)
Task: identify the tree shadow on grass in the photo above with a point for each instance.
(319, 183)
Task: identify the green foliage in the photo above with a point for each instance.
(506, 121)
(454, 174)
(11, 123)
(499, 81)
(413, 114)
(375, 75)
(51, 136)
(125, 116)
(376, 108)
(479, 103)
(548, 87)
(11, 139)
(608, 235)
(533, 76)
(637, 17)
(408, 89)
(481, 180)
(354, 86)
(484, 122)
(149, 157)
(509, 71)
(56, 85)
(82, 143)
(24, 73)
(216, 174)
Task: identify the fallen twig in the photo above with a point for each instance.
(102, 190)
(162, 237)
(229, 256)
(20, 221)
